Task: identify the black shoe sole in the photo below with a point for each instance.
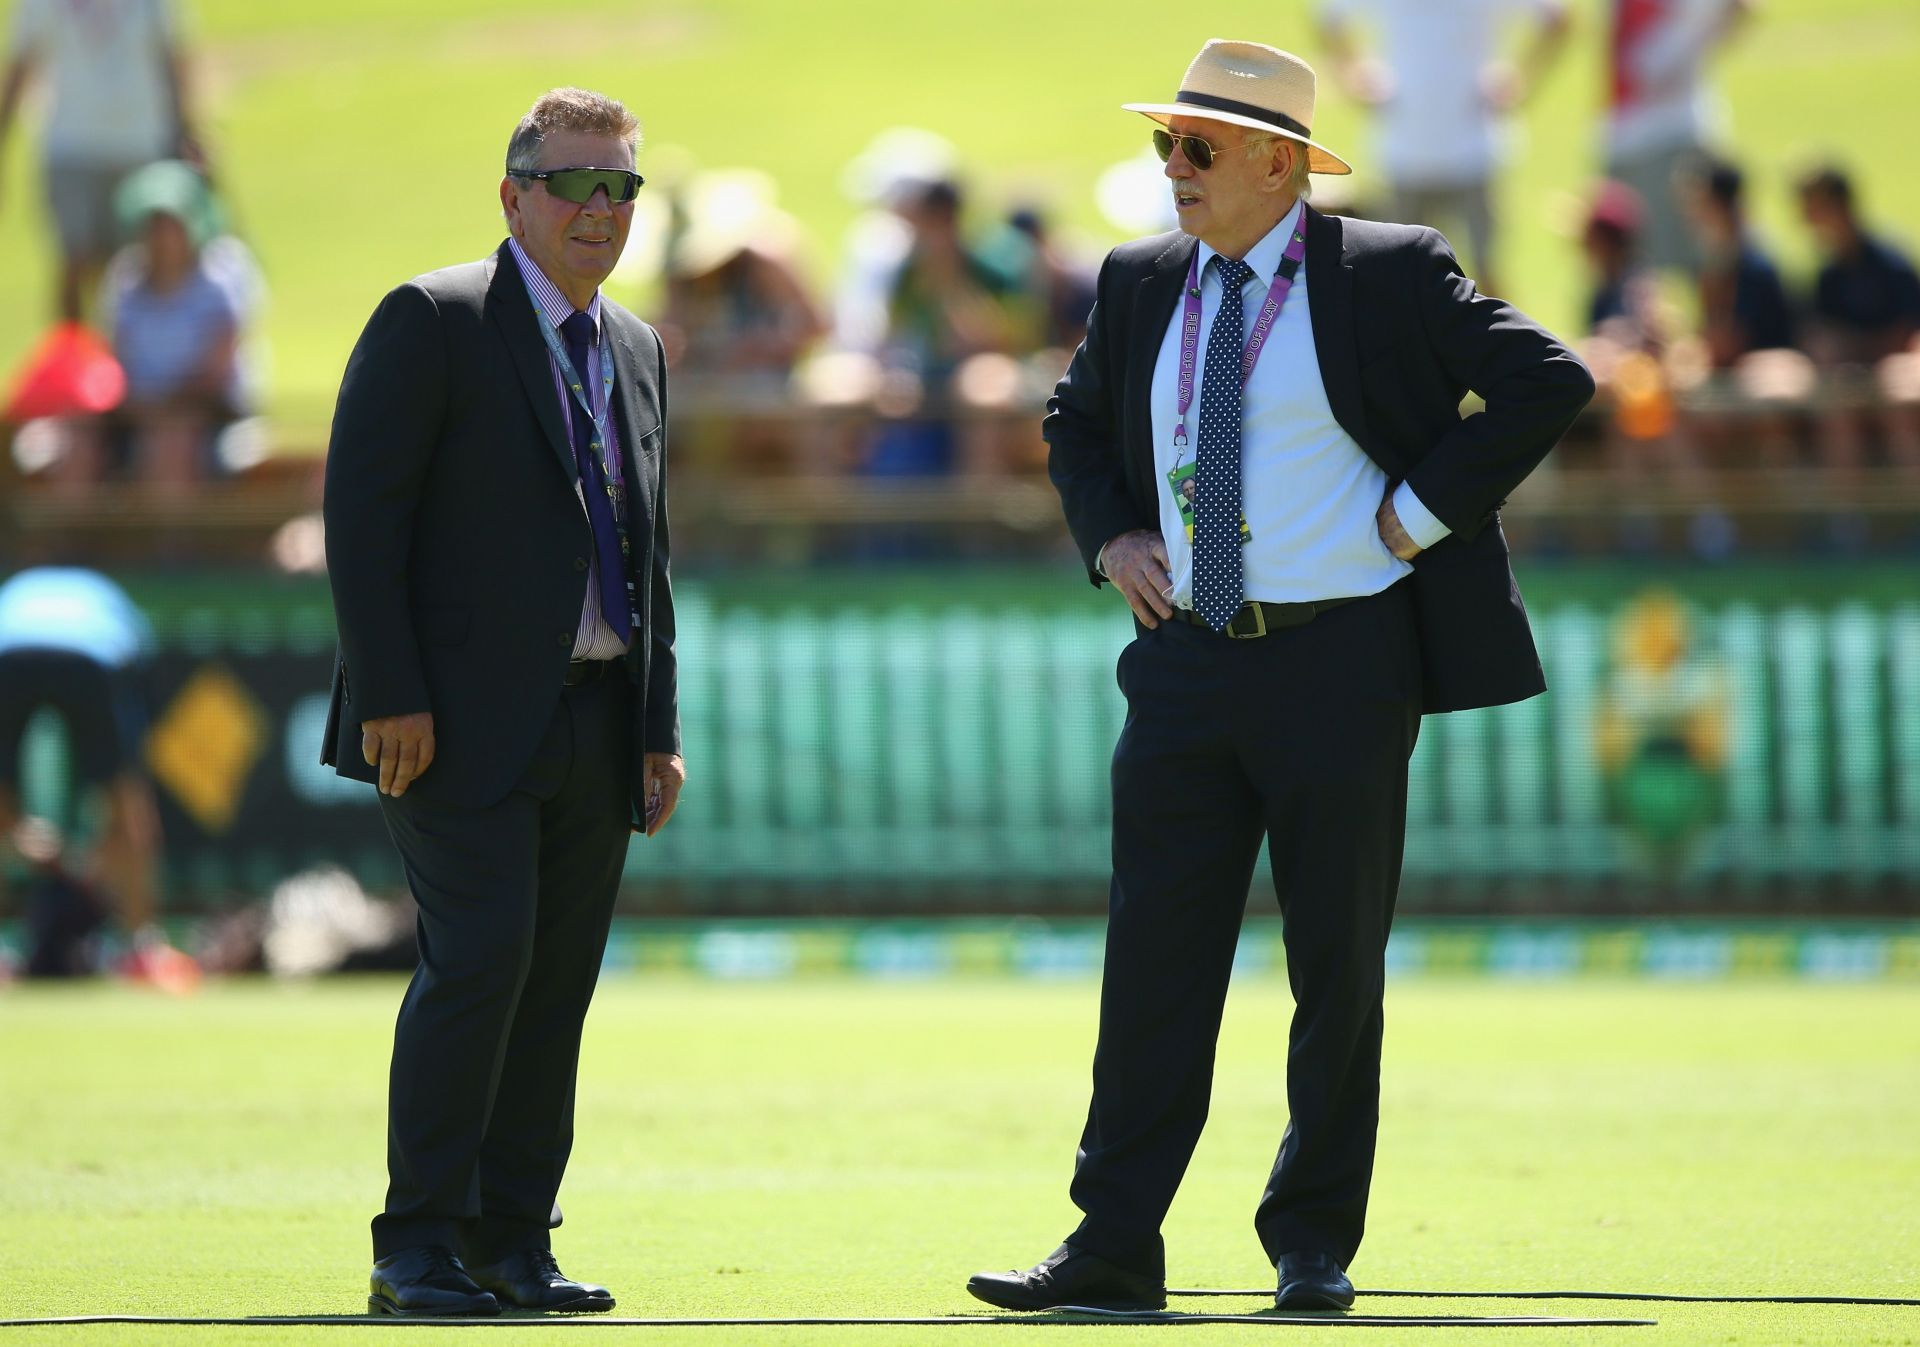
(1313, 1300)
(584, 1305)
(1113, 1306)
(381, 1305)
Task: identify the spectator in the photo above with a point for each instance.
(1060, 287)
(1866, 299)
(1866, 314)
(176, 331)
(1743, 304)
(737, 307)
(119, 101)
(1622, 306)
(72, 642)
(1440, 95)
(739, 315)
(1746, 331)
(1659, 116)
(885, 179)
(948, 307)
(1629, 335)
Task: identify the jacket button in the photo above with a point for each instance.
(564, 638)
(579, 563)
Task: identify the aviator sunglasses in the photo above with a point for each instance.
(579, 184)
(1199, 153)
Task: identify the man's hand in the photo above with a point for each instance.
(1393, 534)
(400, 746)
(1137, 565)
(666, 773)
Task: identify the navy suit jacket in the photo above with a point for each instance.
(1401, 336)
(456, 546)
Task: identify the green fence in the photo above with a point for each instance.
(901, 741)
(1682, 743)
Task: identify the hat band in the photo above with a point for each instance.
(1268, 115)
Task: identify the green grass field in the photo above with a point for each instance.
(362, 139)
(834, 1147)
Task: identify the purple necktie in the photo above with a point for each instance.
(614, 604)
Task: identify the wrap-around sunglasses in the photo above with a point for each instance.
(579, 184)
(1199, 153)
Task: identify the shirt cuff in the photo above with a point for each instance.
(1100, 561)
(1417, 519)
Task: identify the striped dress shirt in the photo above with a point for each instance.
(594, 639)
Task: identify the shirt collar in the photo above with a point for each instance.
(555, 307)
(1264, 257)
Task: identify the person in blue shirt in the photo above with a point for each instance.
(72, 642)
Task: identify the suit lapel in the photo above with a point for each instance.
(630, 373)
(513, 313)
(1153, 309)
(1330, 298)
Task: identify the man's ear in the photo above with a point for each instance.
(510, 204)
(1280, 169)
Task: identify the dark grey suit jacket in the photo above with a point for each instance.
(1401, 336)
(456, 547)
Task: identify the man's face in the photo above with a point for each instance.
(574, 243)
(1232, 196)
(1825, 218)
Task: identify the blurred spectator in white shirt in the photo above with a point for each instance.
(117, 86)
(1441, 96)
(1660, 116)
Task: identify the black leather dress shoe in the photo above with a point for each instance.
(1070, 1276)
(531, 1280)
(427, 1281)
(1311, 1280)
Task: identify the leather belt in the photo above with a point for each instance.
(1257, 619)
(582, 671)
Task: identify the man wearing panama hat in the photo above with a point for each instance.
(1260, 445)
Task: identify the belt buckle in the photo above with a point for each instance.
(1259, 624)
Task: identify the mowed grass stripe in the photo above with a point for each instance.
(843, 1148)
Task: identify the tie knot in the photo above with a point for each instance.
(577, 327)
(1232, 272)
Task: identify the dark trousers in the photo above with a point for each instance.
(515, 901)
(1301, 735)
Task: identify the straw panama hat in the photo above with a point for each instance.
(1253, 85)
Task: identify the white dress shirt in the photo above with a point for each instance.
(1309, 492)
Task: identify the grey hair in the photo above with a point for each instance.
(568, 109)
(1298, 181)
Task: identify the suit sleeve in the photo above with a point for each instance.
(1084, 457)
(1532, 385)
(385, 426)
(663, 677)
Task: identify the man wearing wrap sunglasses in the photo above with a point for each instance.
(1260, 445)
(497, 546)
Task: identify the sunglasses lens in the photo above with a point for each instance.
(1198, 152)
(579, 184)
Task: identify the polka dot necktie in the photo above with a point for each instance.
(1217, 580)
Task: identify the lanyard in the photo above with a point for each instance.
(564, 362)
(1262, 326)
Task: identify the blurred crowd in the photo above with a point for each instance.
(166, 396)
(949, 319)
